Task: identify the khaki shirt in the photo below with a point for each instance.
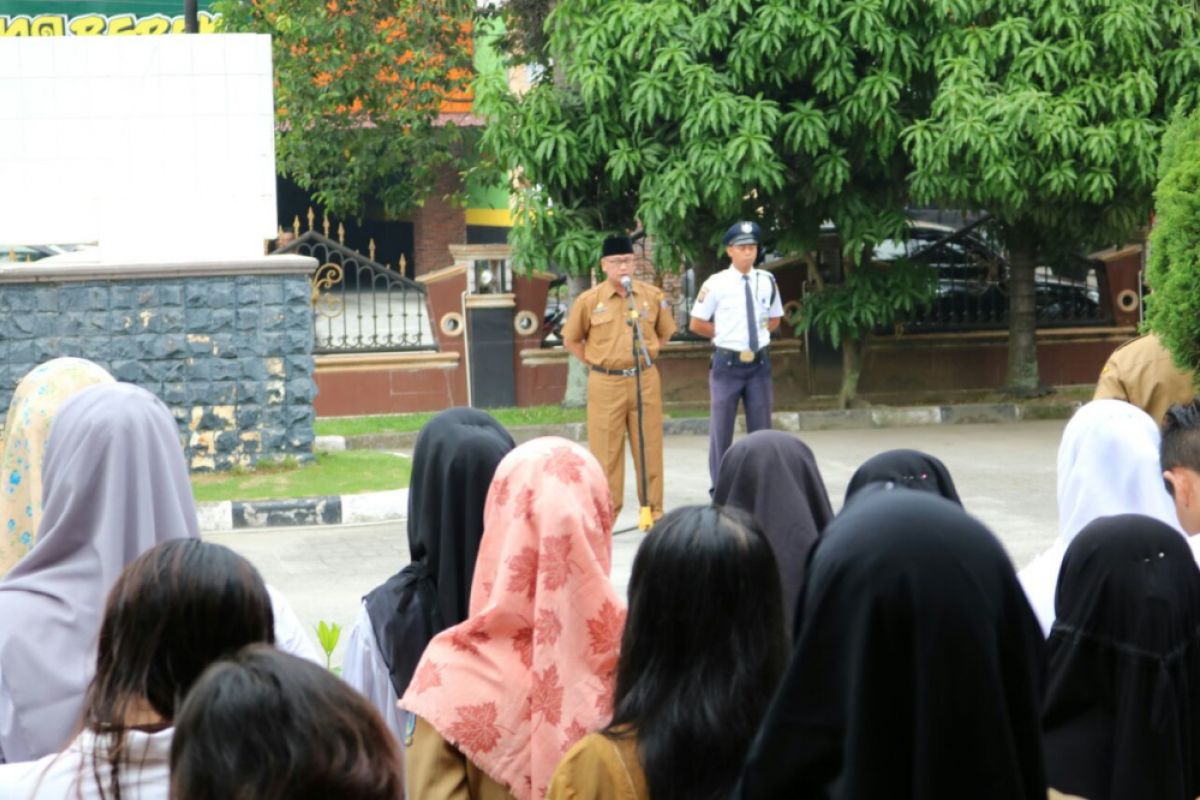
(598, 320)
(1141, 372)
(434, 768)
(600, 767)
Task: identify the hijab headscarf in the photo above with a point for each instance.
(34, 404)
(1122, 718)
(917, 669)
(115, 485)
(774, 476)
(911, 469)
(1108, 463)
(454, 459)
(530, 671)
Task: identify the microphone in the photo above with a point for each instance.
(627, 283)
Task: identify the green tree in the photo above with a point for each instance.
(682, 116)
(1048, 114)
(1173, 308)
(360, 86)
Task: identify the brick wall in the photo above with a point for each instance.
(231, 356)
(437, 225)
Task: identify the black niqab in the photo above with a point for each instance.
(774, 477)
(1122, 718)
(455, 457)
(910, 469)
(917, 669)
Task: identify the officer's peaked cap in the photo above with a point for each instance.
(741, 233)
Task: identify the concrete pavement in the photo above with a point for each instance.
(1004, 474)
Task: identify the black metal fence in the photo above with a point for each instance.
(360, 306)
(971, 282)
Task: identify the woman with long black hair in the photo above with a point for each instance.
(701, 654)
(265, 725)
(174, 610)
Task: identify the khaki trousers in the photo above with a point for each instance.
(611, 416)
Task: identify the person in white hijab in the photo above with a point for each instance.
(114, 484)
(1108, 464)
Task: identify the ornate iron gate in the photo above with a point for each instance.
(359, 305)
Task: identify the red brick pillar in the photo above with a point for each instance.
(437, 225)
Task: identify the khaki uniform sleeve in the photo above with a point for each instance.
(433, 768)
(589, 772)
(575, 329)
(665, 325)
(1110, 387)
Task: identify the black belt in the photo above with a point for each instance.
(624, 373)
(736, 355)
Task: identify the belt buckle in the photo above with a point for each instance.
(746, 356)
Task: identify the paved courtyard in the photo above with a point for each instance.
(1004, 474)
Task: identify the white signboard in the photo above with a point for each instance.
(158, 148)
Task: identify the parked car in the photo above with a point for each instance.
(972, 281)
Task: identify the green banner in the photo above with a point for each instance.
(99, 18)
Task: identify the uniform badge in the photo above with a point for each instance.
(703, 294)
(747, 227)
(599, 307)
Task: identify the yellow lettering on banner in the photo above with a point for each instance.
(98, 24)
(49, 25)
(207, 23)
(88, 25)
(122, 25)
(153, 25)
(14, 26)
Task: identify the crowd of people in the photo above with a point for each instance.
(768, 647)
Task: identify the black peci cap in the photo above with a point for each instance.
(616, 246)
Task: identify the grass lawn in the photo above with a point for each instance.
(508, 417)
(331, 474)
(404, 423)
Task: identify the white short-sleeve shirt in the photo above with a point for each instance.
(722, 299)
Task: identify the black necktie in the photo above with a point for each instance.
(751, 317)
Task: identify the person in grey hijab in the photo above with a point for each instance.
(115, 484)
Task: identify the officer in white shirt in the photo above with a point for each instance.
(737, 308)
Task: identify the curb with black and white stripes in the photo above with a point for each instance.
(332, 510)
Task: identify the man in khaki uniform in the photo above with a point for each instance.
(599, 332)
(1141, 372)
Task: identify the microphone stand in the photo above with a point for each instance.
(645, 515)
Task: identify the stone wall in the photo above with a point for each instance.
(227, 347)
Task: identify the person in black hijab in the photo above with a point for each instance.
(1122, 714)
(917, 668)
(774, 476)
(911, 469)
(455, 457)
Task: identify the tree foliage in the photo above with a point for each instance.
(869, 298)
(684, 116)
(359, 88)
(1048, 113)
(1173, 307)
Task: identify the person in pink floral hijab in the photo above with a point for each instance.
(499, 698)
